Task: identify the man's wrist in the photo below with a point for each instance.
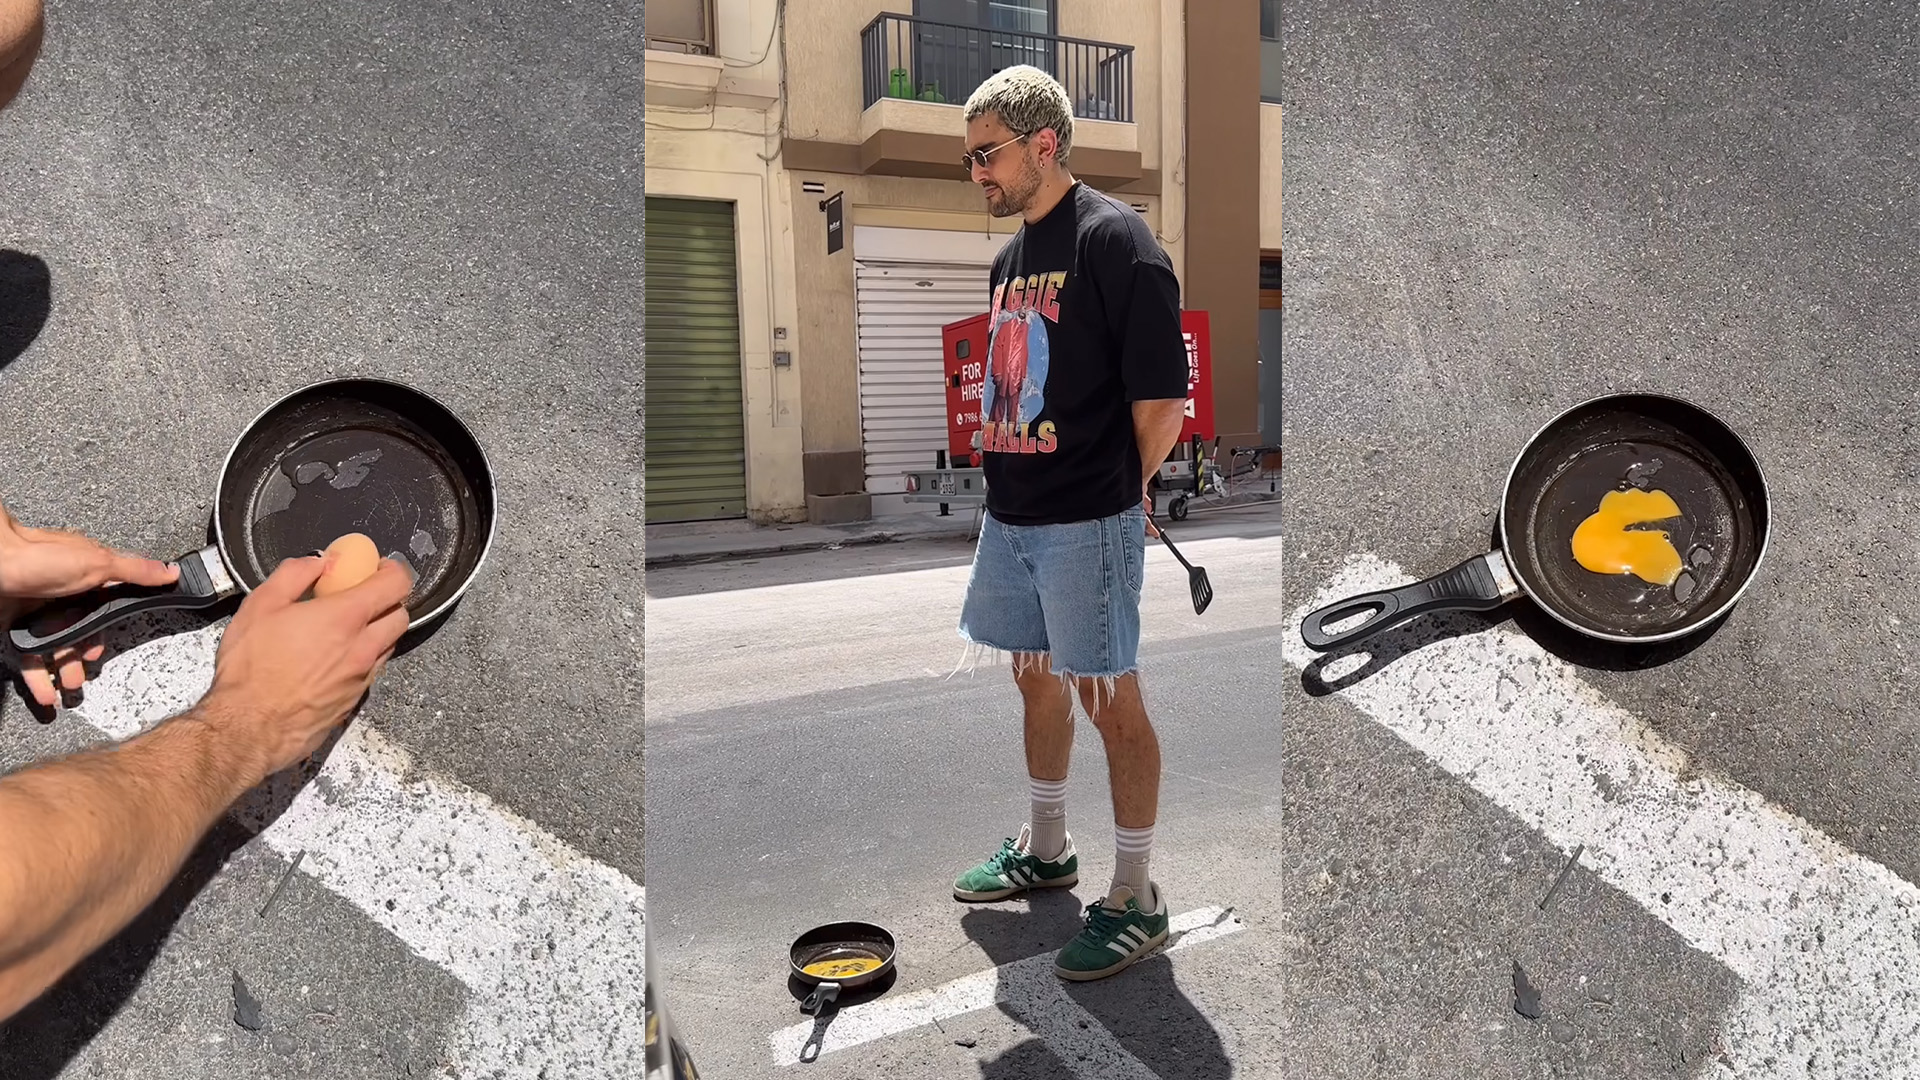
(218, 726)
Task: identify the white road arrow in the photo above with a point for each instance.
(1826, 942)
(550, 944)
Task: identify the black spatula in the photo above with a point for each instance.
(1196, 575)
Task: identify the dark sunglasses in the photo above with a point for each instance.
(973, 158)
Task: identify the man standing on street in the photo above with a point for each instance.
(1083, 402)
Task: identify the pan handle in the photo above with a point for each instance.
(1482, 583)
(203, 582)
(823, 995)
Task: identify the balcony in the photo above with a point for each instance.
(917, 74)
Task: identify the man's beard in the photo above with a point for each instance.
(1015, 199)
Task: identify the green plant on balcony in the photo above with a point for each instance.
(899, 83)
(931, 92)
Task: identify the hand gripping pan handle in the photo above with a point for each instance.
(203, 582)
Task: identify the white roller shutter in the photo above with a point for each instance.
(903, 403)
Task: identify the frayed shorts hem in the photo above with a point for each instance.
(978, 649)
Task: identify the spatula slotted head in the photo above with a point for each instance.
(1202, 589)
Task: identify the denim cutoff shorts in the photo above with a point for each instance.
(1071, 591)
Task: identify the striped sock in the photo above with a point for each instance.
(1132, 849)
(1048, 818)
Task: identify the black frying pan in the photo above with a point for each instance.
(1648, 441)
(352, 455)
(861, 943)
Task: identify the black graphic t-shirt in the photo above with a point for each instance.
(1085, 321)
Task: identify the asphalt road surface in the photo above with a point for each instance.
(1494, 212)
(811, 760)
(204, 207)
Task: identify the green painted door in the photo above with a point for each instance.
(696, 427)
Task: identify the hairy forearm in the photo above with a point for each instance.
(1156, 427)
(87, 842)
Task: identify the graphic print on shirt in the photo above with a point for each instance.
(1018, 352)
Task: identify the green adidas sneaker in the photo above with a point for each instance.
(1012, 870)
(1117, 934)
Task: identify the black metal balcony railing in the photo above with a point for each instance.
(905, 57)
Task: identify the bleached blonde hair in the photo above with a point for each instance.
(1026, 100)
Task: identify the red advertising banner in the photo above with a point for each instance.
(1199, 336)
(963, 347)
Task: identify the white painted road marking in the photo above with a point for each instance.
(549, 943)
(1028, 988)
(1826, 942)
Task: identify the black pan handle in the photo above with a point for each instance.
(1482, 583)
(77, 618)
(1164, 539)
(823, 995)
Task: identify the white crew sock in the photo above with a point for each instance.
(1132, 850)
(1048, 818)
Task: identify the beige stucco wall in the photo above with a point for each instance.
(826, 99)
(1270, 177)
(721, 152)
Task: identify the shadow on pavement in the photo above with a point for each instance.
(121, 638)
(1142, 1009)
(823, 1021)
(1582, 651)
(43, 1040)
(1384, 648)
(1031, 1060)
(26, 301)
(1557, 638)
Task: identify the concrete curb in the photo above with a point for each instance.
(747, 548)
(747, 551)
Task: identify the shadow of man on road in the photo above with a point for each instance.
(26, 301)
(1137, 1025)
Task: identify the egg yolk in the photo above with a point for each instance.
(840, 969)
(1605, 544)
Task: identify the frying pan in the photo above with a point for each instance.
(1612, 443)
(348, 455)
(837, 942)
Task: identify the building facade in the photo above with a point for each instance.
(1269, 333)
(789, 379)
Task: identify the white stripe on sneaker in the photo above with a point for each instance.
(1119, 948)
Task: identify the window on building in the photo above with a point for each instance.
(954, 60)
(680, 25)
(1270, 51)
(1031, 16)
